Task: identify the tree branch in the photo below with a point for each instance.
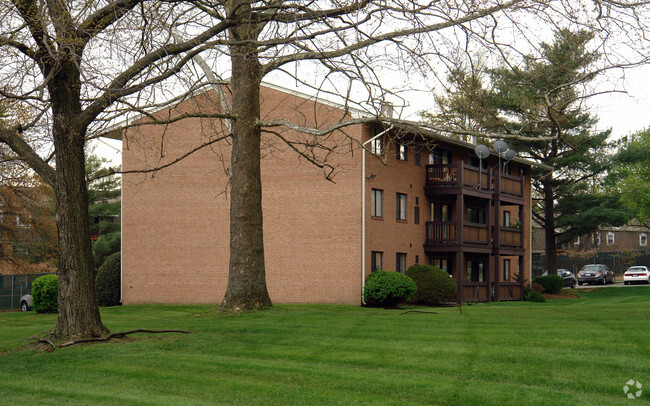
(12, 137)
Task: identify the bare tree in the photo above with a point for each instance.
(83, 64)
(351, 45)
(75, 65)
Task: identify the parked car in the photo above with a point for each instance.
(26, 302)
(567, 276)
(636, 274)
(595, 273)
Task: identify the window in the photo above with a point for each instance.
(400, 149)
(441, 263)
(576, 242)
(506, 219)
(417, 158)
(377, 203)
(475, 271)
(643, 240)
(475, 215)
(22, 224)
(400, 262)
(595, 238)
(416, 215)
(610, 238)
(440, 157)
(506, 269)
(375, 260)
(417, 259)
(475, 161)
(439, 212)
(400, 206)
(377, 146)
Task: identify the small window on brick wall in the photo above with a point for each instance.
(375, 260)
(400, 265)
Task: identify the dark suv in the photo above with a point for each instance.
(595, 273)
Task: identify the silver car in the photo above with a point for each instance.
(26, 302)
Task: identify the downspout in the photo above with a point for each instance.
(363, 208)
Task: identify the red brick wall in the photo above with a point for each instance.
(175, 223)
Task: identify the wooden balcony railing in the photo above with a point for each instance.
(446, 232)
(461, 175)
(510, 237)
(441, 232)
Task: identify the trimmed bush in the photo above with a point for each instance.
(534, 293)
(434, 285)
(108, 281)
(45, 291)
(388, 289)
(551, 283)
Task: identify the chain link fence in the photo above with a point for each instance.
(13, 287)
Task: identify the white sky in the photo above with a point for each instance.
(624, 113)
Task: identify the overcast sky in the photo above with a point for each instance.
(624, 113)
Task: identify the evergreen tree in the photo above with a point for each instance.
(104, 205)
(630, 175)
(541, 105)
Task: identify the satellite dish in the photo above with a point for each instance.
(500, 146)
(511, 153)
(482, 151)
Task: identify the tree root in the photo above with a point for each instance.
(102, 339)
(417, 311)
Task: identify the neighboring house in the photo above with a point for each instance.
(28, 238)
(424, 197)
(617, 247)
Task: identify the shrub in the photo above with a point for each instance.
(551, 283)
(108, 281)
(533, 293)
(45, 290)
(388, 289)
(434, 284)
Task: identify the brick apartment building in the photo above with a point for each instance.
(421, 198)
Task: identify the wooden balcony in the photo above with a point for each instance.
(441, 234)
(452, 178)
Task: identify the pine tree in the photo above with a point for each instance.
(104, 205)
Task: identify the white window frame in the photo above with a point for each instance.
(576, 242)
(401, 151)
(377, 146)
(611, 234)
(643, 239)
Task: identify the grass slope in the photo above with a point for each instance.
(565, 351)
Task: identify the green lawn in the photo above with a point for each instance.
(563, 352)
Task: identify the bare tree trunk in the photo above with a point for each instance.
(78, 314)
(247, 277)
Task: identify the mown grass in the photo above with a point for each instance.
(565, 351)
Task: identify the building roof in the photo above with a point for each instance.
(359, 116)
